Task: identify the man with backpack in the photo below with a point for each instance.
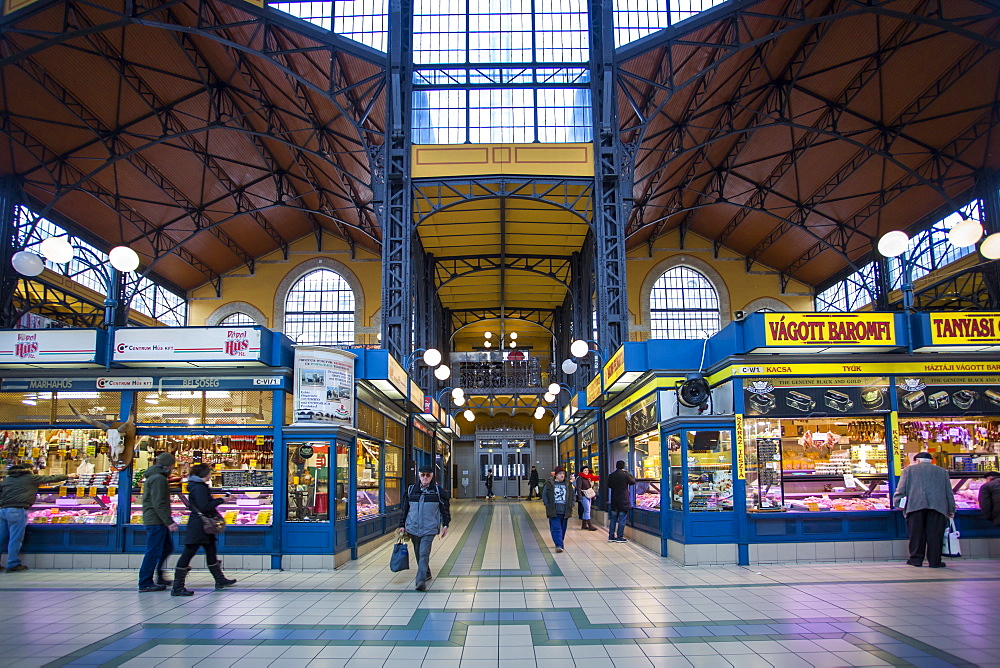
(426, 512)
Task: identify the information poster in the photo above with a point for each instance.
(324, 386)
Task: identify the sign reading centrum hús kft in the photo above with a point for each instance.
(187, 344)
(964, 328)
(826, 329)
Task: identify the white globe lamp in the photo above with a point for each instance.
(893, 244)
(579, 348)
(457, 392)
(569, 367)
(124, 259)
(432, 357)
(990, 248)
(513, 335)
(56, 249)
(549, 398)
(966, 233)
(554, 388)
(458, 401)
(487, 344)
(539, 412)
(27, 263)
(488, 335)
(469, 415)
(442, 372)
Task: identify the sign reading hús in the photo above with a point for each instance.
(965, 328)
(829, 329)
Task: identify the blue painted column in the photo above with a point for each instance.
(279, 474)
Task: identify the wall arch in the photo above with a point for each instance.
(300, 270)
(703, 268)
(766, 302)
(226, 310)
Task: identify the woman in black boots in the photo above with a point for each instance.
(202, 503)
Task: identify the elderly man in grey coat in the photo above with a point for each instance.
(426, 512)
(925, 495)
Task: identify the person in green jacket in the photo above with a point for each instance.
(159, 523)
(18, 492)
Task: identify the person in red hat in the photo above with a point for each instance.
(558, 497)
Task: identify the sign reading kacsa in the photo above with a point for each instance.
(829, 329)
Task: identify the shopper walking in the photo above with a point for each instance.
(202, 504)
(585, 495)
(925, 495)
(558, 499)
(18, 492)
(989, 498)
(426, 512)
(533, 484)
(489, 484)
(159, 523)
(621, 502)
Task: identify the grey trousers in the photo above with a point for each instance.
(422, 548)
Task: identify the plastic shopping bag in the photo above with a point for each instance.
(951, 547)
(400, 560)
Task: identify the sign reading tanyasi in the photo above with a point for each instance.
(324, 386)
(965, 328)
(829, 329)
(187, 344)
(48, 346)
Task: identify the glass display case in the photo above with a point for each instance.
(817, 464)
(960, 444)
(647, 495)
(368, 468)
(710, 470)
(393, 475)
(308, 481)
(91, 499)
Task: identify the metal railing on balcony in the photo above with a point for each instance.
(499, 375)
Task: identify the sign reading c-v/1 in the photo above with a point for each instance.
(829, 329)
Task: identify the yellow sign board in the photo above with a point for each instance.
(615, 367)
(829, 329)
(872, 369)
(397, 375)
(741, 459)
(594, 389)
(965, 329)
(897, 449)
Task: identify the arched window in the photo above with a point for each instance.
(683, 304)
(319, 310)
(238, 319)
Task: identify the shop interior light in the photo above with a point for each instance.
(569, 366)
(579, 348)
(56, 249)
(432, 357)
(554, 389)
(29, 402)
(152, 400)
(442, 372)
(123, 258)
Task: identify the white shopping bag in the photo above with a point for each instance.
(951, 547)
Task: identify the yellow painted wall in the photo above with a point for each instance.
(491, 159)
(743, 287)
(260, 289)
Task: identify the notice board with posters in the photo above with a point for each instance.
(800, 397)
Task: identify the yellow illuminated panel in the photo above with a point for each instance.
(482, 159)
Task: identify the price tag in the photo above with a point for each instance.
(73, 453)
(93, 491)
(253, 463)
(848, 481)
(260, 441)
(80, 491)
(63, 490)
(21, 451)
(218, 467)
(112, 491)
(34, 453)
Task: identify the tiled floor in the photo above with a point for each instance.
(502, 597)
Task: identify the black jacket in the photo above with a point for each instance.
(533, 479)
(618, 483)
(989, 500)
(201, 500)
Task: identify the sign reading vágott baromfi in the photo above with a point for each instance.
(965, 328)
(830, 329)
